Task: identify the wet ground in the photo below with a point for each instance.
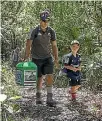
(87, 108)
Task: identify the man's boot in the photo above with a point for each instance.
(38, 98)
(50, 102)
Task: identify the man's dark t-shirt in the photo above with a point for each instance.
(41, 45)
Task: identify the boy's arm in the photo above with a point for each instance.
(66, 61)
(79, 68)
(71, 68)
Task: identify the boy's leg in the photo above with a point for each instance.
(72, 91)
(78, 84)
(75, 84)
(77, 87)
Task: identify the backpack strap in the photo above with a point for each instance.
(67, 59)
(70, 59)
(37, 29)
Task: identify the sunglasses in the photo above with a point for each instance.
(46, 21)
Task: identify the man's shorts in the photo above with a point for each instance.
(45, 66)
(74, 82)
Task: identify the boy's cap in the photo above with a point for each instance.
(45, 16)
(75, 42)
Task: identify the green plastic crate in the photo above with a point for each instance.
(26, 73)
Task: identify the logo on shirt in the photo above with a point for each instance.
(39, 34)
(49, 35)
(66, 60)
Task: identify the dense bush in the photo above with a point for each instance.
(8, 81)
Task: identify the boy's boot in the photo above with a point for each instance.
(73, 96)
(38, 98)
(50, 102)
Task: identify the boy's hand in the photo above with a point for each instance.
(75, 69)
(79, 68)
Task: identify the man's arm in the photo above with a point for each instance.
(28, 49)
(55, 52)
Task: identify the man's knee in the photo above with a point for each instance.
(39, 82)
(49, 79)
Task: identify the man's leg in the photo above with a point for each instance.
(38, 92)
(39, 80)
(48, 71)
(49, 81)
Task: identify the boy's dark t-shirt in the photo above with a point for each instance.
(71, 60)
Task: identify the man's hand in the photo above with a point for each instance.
(22, 59)
(56, 63)
(27, 59)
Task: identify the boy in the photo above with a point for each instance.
(72, 67)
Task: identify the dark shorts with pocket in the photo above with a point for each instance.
(74, 82)
(45, 66)
(75, 78)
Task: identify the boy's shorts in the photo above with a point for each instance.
(74, 82)
(45, 66)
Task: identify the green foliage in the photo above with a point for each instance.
(8, 81)
(70, 19)
(80, 20)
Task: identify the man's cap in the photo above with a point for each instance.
(45, 16)
(75, 42)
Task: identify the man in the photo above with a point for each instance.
(40, 41)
